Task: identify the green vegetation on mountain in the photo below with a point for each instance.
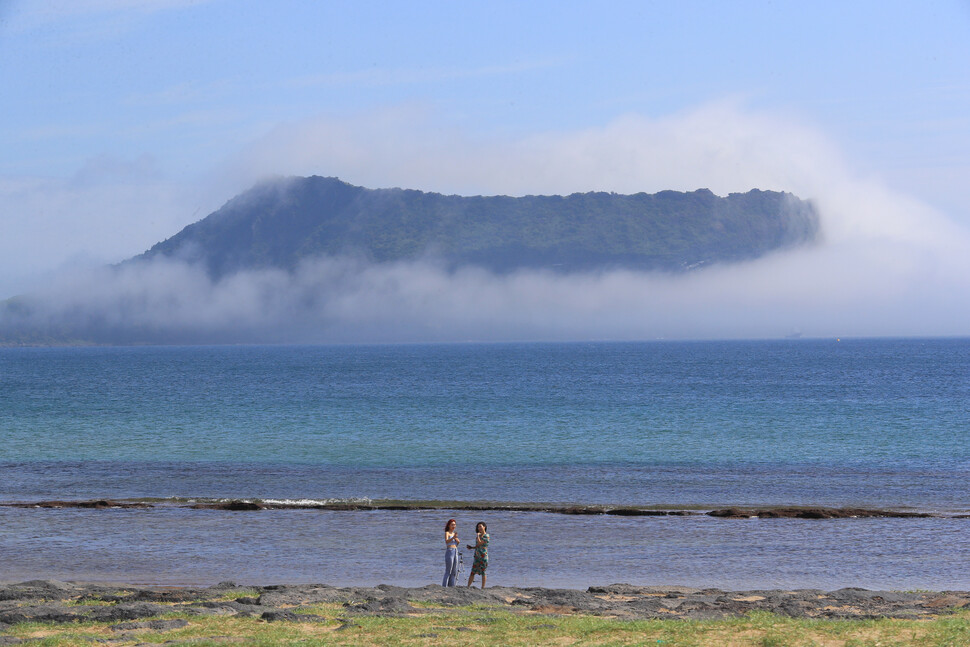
(280, 223)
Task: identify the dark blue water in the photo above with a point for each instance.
(874, 423)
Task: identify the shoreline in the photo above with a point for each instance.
(70, 602)
(253, 505)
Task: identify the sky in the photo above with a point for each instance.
(124, 121)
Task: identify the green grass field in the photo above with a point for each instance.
(492, 626)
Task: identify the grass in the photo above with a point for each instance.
(235, 594)
(471, 626)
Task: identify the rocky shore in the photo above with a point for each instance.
(247, 505)
(131, 608)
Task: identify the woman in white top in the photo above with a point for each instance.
(451, 553)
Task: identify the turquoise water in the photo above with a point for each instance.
(889, 420)
(875, 423)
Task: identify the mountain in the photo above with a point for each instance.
(232, 289)
(278, 224)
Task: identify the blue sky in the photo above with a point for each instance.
(124, 121)
(189, 83)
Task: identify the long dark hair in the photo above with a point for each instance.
(483, 525)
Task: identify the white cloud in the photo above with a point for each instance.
(889, 264)
(109, 210)
(722, 146)
(817, 291)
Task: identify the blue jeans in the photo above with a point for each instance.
(451, 567)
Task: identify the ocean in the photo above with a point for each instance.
(685, 426)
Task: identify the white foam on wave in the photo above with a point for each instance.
(312, 502)
(305, 502)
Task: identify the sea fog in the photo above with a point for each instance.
(888, 263)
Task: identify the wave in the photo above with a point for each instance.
(365, 504)
(266, 502)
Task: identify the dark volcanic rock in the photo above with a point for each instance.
(578, 510)
(100, 504)
(629, 589)
(36, 590)
(458, 595)
(347, 624)
(154, 625)
(384, 606)
(168, 595)
(49, 602)
(234, 607)
(564, 598)
(274, 596)
(247, 600)
(289, 616)
(126, 612)
(228, 505)
(640, 512)
(946, 600)
(208, 611)
(863, 596)
(809, 513)
(60, 612)
(39, 614)
(789, 512)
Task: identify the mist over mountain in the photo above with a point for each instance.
(317, 260)
(278, 224)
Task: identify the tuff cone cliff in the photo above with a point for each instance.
(278, 224)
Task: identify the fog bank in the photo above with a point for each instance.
(818, 292)
(888, 264)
